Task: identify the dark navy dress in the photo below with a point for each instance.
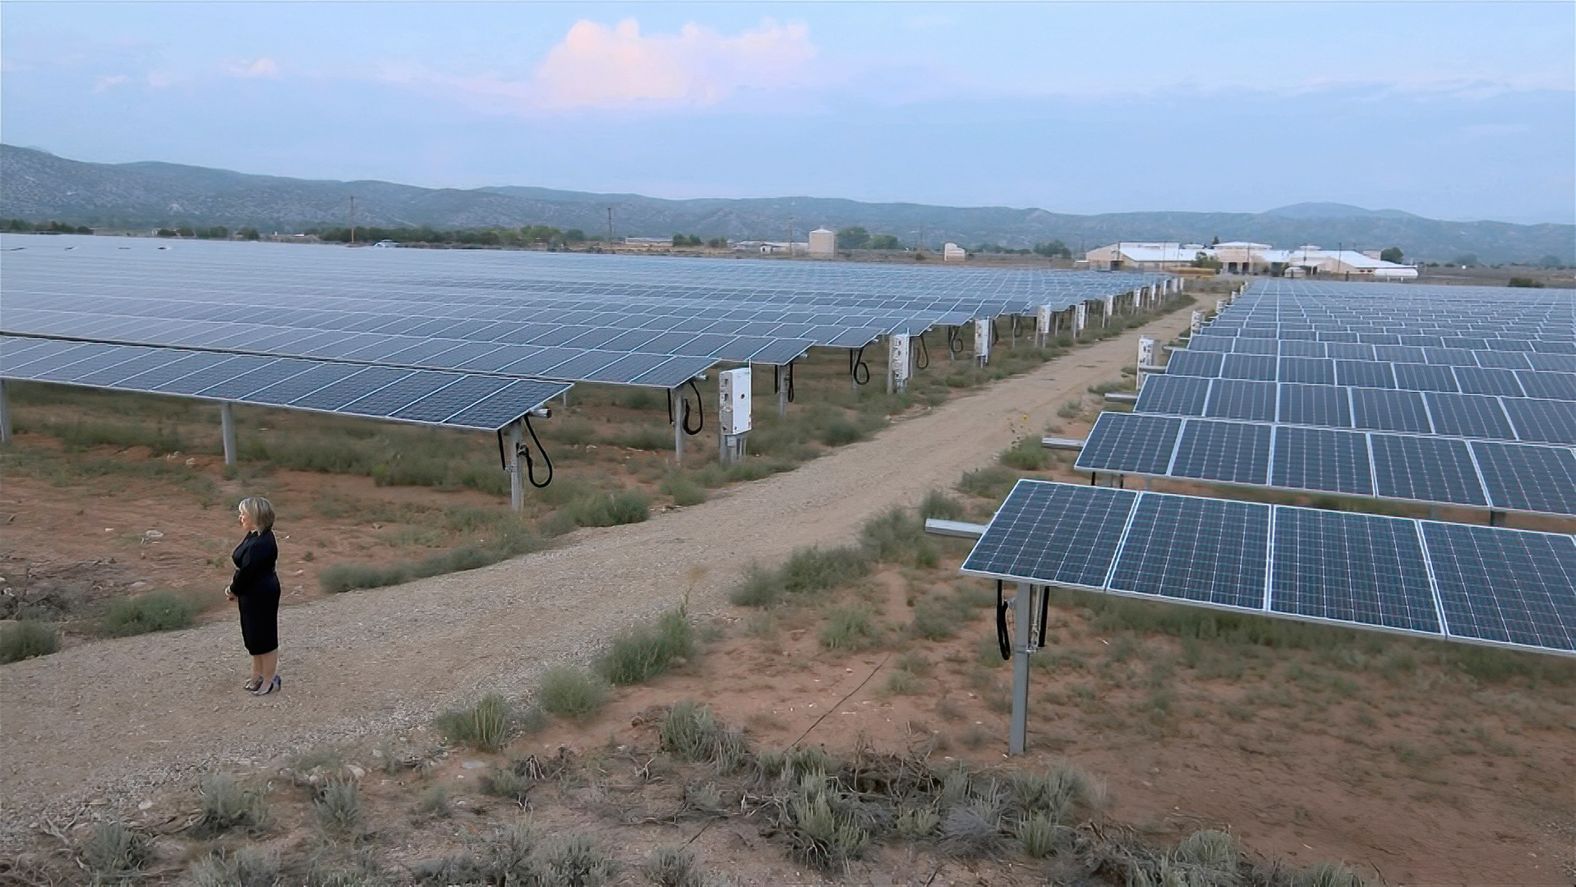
(256, 588)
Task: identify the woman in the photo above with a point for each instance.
(255, 587)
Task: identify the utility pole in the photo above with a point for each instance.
(610, 227)
(791, 221)
(352, 220)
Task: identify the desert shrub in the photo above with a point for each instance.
(1026, 454)
(575, 861)
(154, 611)
(610, 509)
(571, 692)
(646, 437)
(484, 726)
(898, 536)
(939, 505)
(822, 824)
(434, 802)
(683, 489)
(337, 806)
(1327, 874)
(1037, 834)
(28, 638)
(114, 852)
(902, 683)
(672, 867)
(690, 732)
(850, 627)
(641, 653)
(807, 571)
(228, 807)
(1215, 852)
(506, 782)
(989, 483)
(243, 867)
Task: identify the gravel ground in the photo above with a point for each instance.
(106, 722)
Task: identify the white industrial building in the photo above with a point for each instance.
(1245, 257)
(951, 252)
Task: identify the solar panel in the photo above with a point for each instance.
(1322, 459)
(1425, 469)
(1425, 377)
(1478, 380)
(1364, 373)
(1468, 415)
(1308, 370)
(1352, 568)
(1383, 410)
(1506, 586)
(1552, 386)
(1173, 395)
(1238, 399)
(1548, 421)
(1328, 406)
(1207, 550)
(1130, 442)
(1249, 366)
(1231, 452)
(1525, 477)
(1053, 533)
(1194, 363)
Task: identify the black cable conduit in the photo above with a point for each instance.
(1003, 637)
(922, 358)
(700, 411)
(530, 464)
(856, 363)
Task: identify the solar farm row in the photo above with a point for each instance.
(1448, 414)
(1435, 470)
(1297, 359)
(452, 400)
(1461, 582)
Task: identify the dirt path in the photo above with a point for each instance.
(109, 719)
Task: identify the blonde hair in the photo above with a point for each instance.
(260, 510)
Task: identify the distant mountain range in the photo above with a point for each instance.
(38, 186)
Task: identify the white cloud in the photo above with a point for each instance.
(596, 66)
(109, 81)
(258, 67)
(161, 79)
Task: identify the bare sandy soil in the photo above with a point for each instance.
(1349, 772)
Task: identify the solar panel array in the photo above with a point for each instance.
(1476, 584)
(1521, 477)
(613, 319)
(1524, 419)
(426, 397)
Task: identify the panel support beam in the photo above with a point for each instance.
(5, 414)
(954, 529)
(678, 427)
(227, 426)
(1022, 646)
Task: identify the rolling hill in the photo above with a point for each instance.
(37, 186)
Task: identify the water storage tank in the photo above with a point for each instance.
(823, 242)
(951, 252)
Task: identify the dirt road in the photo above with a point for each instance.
(108, 720)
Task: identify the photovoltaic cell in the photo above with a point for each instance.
(1211, 551)
(1053, 533)
(1129, 442)
(1468, 415)
(1383, 410)
(1506, 586)
(1238, 399)
(1309, 370)
(1548, 421)
(1425, 377)
(1551, 386)
(1527, 477)
(1173, 395)
(1364, 373)
(1257, 367)
(1327, 406)
(1477, 380)
(1322, 459)
(1346, 567)
(1426, 469)
(1231, 452)
(1193, 363)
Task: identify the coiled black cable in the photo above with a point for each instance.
(922, 358)
(700, 411)
(1003, 637)
(530, 464)
(856, 364)
(1045, 611)
(954, 341)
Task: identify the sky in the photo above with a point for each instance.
(1448, 110)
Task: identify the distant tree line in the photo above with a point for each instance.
(23, 226)
(857, 237)
(529, 235)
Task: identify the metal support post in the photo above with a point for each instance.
(516, 476)
(1022, 644)
(227, 426)
(782, 392)
(678, 427)
(5, 414)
